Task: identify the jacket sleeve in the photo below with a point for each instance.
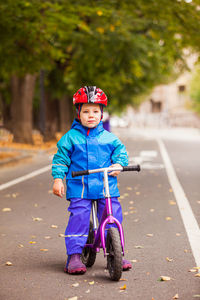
(61, 160)
(119, 155)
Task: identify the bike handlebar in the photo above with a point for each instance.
(123, 169)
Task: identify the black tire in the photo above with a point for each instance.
(114, 250)
(88, 256)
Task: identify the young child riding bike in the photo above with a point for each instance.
(87, 145)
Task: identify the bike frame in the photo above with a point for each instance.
(107, 216)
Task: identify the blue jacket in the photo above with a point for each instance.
(83, 149)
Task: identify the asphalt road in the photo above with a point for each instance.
(155, 236)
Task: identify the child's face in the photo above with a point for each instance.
(90, 115)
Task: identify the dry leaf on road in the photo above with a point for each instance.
(176, 296)
(164, 278)
(8, 263)
(75, 284)
(6, 209)
(37, 219)
(122, 288)
(54, 226)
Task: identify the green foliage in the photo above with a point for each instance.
(125, 47)
(195, 90)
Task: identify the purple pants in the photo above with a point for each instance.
(76, 233)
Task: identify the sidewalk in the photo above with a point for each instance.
(11, 152)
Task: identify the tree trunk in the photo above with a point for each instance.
(51, 118)
(21, 107)
(66, 114)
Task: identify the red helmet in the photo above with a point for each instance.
(90, 94)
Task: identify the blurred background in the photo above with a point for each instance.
(143, 54)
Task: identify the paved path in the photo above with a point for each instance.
(156, 238)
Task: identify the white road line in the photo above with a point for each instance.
(189, 221)
(25, 177)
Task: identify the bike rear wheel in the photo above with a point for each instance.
(88, 256)
(114, 250)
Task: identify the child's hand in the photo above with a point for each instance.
(58, 187)
(115, 173)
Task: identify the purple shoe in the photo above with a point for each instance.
(126, 265)
(74, 265)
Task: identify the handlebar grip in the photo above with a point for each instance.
(79, 173)
(132, 168)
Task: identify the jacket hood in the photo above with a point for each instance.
(85, 130)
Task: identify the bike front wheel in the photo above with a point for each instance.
(88, 256)
(114, 250)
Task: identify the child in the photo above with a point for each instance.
(87, 146)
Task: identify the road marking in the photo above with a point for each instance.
(189, 221)
(25, 177)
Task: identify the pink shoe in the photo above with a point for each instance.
(75, 265)
(126, 265)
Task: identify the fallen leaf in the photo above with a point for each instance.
(149, 234)
(129, 188)
(44, 250)
(198, 202)
(33, 236)
(170, 190)
(196, 296)
(169, 259)
(54, 226)
(176, 296)
(139, 247)
(131, 207)
(87, 292)
(136, 220)
(91, 282)
(171, 202)
(32, 242)
(21, 246)
(164, 278)
(197, 275)
(178, 234)
(122, 279)
(6, 209)
(35, 205)
(75, 284)
(126, 195)
(186, 251)
(14, 195)
(168, 218)
(125, 213)
(131, 202)
(134, 260)
(50, 192)
(72, 298)
(61, 235)
(196, 268)
(152, 210)
(137, 193)
(159, 185)
(122, 288)
(47, 237)
(192, 271)
(37, 219)
(8, 263)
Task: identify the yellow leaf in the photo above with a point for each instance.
(149, 234)
(168, 218)
(171, 202)
(129, 188)
(32, 242)
(176, 296)
(197, 275)
(50, 192)
(99, 13)
(87, 292)
(122, 288)
(178, 234)
(37, 219)
(131, 202)
(112, 28)
(47, 237)
(122, 279)
(44, 250)
(165, 278)
(192, 271)
(6, 209)
(21, 246)
(61, 235)
(170, 190)
(54, 226)
(36, 205)
(91, 282)
(137, 193)
(73, 298)
(125, 213)
(133, 260)
(75, 284)
(8, 263)
(169, 259)
(100, 30)
(126, 194)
